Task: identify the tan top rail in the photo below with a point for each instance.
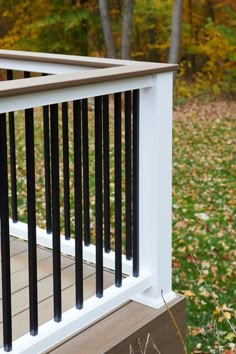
(104, 70)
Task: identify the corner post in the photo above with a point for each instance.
(155, 186)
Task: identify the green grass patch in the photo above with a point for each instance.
(204, 227)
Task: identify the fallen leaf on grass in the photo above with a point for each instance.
(226, 308)
(191, 258)
(227, 315)
(195, 331)
(230, 337)
(176, 264)
(180, 224)
(188, 293)
(202, 216)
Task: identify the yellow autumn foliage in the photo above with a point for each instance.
(208, 46)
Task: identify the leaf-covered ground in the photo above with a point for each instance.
(204, 222)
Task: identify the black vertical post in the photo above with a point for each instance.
(47, 167)
(78, 205)
(98, 196)
(85, 172)
(136, 183)
(55, 212)
(66, 170)
(31, 213)
(106, 173)
(5, 239)
(118, 228)
(46, 140)
(128, 181)
(12, 158)
(26, 74)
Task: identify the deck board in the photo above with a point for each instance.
(20, 290)
(128, 327)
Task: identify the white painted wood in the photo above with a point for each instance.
(44, 239)
(75, 59)
(155, 177)
(155, 206)
(73, 320)
(53, 57)
(40, 67)
(9, 104)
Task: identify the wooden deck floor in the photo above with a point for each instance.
(121, 331)
(19, 282)
(128, 329)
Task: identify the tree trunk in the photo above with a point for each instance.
(211, 10)
(175, 32)
(106, 24)
(126, 29)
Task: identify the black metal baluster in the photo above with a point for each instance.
(5, 239)
(98, 196)
(46, 140)
(47, 167)
(118, 228)
(55, 212)
(26, 74)
(78, 205)
(106, 172)
(31, 212)
(136, 183)
(12, 158)
(66, 170)
(85, 172)
(128, 181)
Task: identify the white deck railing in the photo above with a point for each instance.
(81, 77)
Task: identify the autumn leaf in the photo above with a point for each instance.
(195, 331)
(230, 337)
(227, 315)
(191, 258)
(176, 264)
(188, 293)
(202, 216)
(181, 224)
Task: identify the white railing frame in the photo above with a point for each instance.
(155, 180)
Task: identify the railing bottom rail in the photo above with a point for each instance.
(52, 333)
(74, 320)
(19, 230)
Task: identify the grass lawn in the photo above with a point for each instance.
(204, 216)
(204, 222)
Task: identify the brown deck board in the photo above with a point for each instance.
(113, 334)
(17, 247)
(121, 331)
(20, 260)
(20, 278)
(20, 290)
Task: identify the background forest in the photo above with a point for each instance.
(207, 29)
(200, 36)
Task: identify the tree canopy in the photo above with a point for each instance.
(206, 54)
